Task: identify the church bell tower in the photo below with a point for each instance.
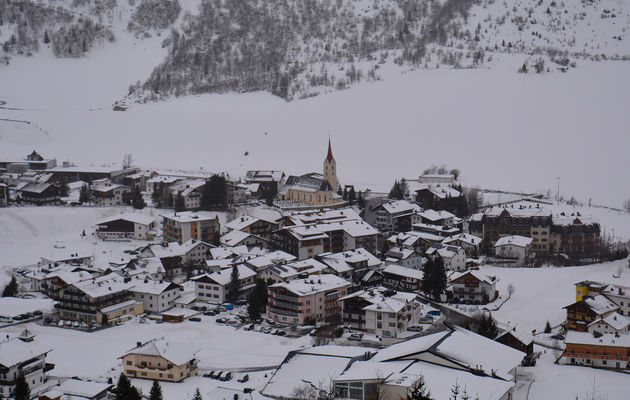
(330, 169)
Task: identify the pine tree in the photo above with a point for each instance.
(11, 289)
(345, 193)
(123, 389)
(418, 390)
(427, 278)
(261, 293)
(180, 203)
(360, 201)
(214, 194)
(137, 200)
(253, 306)
(548, 327)
(22, 389)
(352, 196)
(232, 293)
(270, 194)
(156, 391)
(46, 38)
(84, 194)
(487, 326)
(439, 278)
(64, 190)
(397, 191)
(197, 395)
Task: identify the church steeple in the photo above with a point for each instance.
(330, 168)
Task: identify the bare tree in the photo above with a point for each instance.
(304, 391)
(127, 161)
(594, 393)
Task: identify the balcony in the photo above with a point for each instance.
(593, 356)
(294, 299)
(279, 311)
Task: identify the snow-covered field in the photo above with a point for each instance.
(502, 129)
(540, 293)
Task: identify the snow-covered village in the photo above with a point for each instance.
(314, 200)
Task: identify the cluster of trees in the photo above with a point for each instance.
(400, 190)
(214, 195)
(351, 196)
(233, 286)
(137, 201)
(153, 15)
(441, 170)
(486, 325)
(434, 279)
(125, 390)
(250, 45)
(77, 39)
(257, 300)
(11, 289)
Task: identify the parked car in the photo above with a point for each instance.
(243, 379)
(37, 313)
(209, 313)
(415, 328)
(356, 336)
(61, 323)
(221, 320)
(279, 332)
(213, 374)
(194, 319)
(241, 302)
(434, 313)
(227, 306)
(226, 377)
(249, 327)
(558, 337)
(218, 375)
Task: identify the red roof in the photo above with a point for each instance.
(329, 157)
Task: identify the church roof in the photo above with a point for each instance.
(329, 157)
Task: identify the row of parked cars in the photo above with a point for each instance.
(225, 376)
(21, 317)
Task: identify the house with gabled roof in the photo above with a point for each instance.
(472, 286)
(127, 226)
(214, 287)
(156, 296)
(159, 359)
(26, 358)
(254, 225)
(454, 257)
(581, 313)
(241, 238)
(39, 194)
(614, 324)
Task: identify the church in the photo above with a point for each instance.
(314, 189)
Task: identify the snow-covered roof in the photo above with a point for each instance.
(187, 186)
(600, 304)
(407, 348)
(69, 277)
(324, 215)
(191, 216)
(15, 351)
(477, 274)
(81, 389)
(313, 284)
(617, 291)
(133, 217)
(608, 339)
(305, 232)
(514, 240)
(444, 251)
(403, 271)
(433, 215)
(411, 237)
(118, 306)
(338, 265)
(383, 299)
(275, 257)
(309, 265)
(35, 187)
(464, 238)
(224, 276)
(283, 271)
(173, 249)
(103, 285)
(177, 353)
(153, 287)
(264, 176)
(401, 206)
(219, 253)
(106, 187)
(241, 222)
(234, 237)
(615, 320)
(398, 253)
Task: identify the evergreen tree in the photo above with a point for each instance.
(352, 196)
(46, 38)
(397, 191)
(345, 193)
(418, 390)
(404, 187)
(137, 200)
(488, 326)
(360, 201)
(232, 293)
(427, 277)
(180, 203)
(547, 327)
(11, 289)
(123, 388)
(253, 306)
(156, 391)
(22, 389)
(197, 395)
(434, 279)
(156, 196)
(270, 194)
(84, 194)
(214, 194)
(261, 293)
(64, 190)
(339, 190)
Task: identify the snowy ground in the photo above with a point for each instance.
(502, 129)
(540, 293)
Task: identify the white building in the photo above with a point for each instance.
(156, 296)
(192, 252)
(517, 248)
(27, 358)
(620, 295)
(472, 286)
(614, 324)
(454, 257)
(468, 242)
(240, 238)
(388, 215)
(109, 194)
(127, 226)
(406, 257)
(214, 287)
(190, 190)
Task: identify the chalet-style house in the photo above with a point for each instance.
(110, 194)
(183, 226)
(472, 286)
(127, 226)
(240, 238)
(213, 287)
(514, 250)
(190, 190)
(103, 299)
(156, 296)
(293, 270)
(26, 358)
(405, 257)
(268, 180)
(77, 389)
(453, 257)
(253, 225)
(301, 301)
(160, 360)
(613, 324)
(620, 295)
(381, 311)
(39, 194)
(516, 341)
(396, 216)
(90, 174)
(590, 309)
(438, 197)
(401, 278)
(414, 240)
(605, 351)
(468, 242)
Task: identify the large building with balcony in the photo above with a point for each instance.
(472, 286)
(606, 351)
(22, 356)
(316, 298)
(183, 226)
(160, 360)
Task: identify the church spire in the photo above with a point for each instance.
(329, 157)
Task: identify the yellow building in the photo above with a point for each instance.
(161, 360)
(588, 288)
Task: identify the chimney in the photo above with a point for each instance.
(138, 344)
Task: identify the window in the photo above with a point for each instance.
(129, 363)
(356, 390)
